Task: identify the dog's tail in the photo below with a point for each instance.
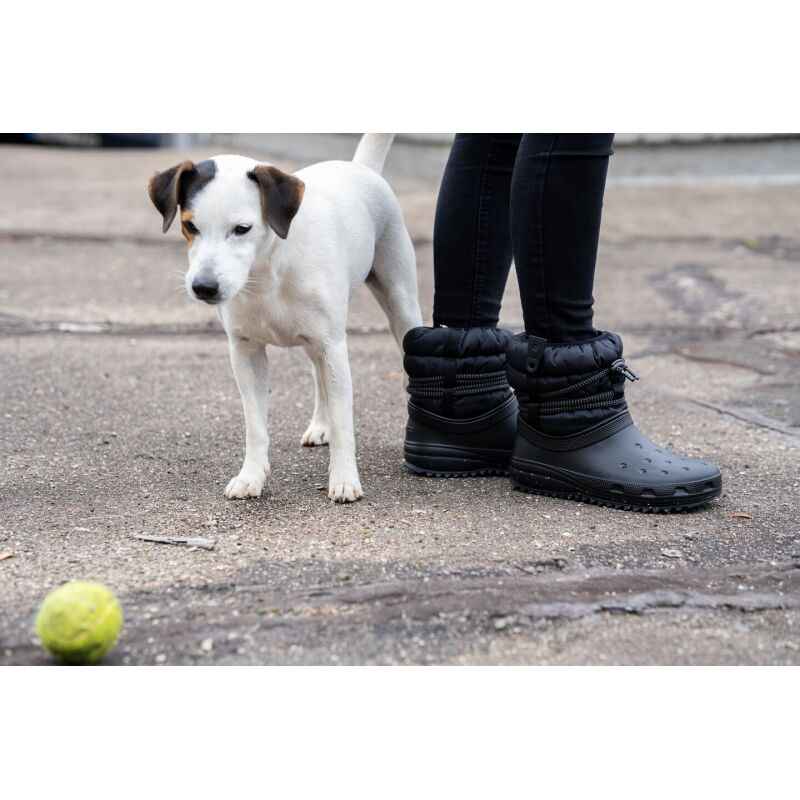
(373, 149)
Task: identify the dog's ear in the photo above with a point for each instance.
(165, 190)
(281, 195)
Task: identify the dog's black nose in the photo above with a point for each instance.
(206, 289)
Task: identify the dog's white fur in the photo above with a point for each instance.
(295, 291)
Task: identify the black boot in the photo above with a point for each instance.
(577, 439)
(462, 414)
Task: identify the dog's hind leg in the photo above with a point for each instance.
(318, 430)
(393, 279)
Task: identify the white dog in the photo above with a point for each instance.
(281, 256)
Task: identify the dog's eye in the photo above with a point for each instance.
(190, 227)
(241, 230)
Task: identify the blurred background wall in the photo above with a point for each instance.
(418, 159)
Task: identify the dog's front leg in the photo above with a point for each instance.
(249, 363)
(334, 371)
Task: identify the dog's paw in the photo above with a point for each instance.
(316, 435)
(248, 483)
(345, 488)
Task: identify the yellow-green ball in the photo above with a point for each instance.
(79, 622)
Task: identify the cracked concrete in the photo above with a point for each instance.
(119, 416)
(461, 605)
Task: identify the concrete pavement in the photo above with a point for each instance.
(119, 415)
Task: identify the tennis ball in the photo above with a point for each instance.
(79, 622)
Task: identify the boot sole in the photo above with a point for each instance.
(439, 461)
(485, 472)
(549, 483)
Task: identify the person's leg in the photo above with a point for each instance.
(556, 203)
(472, 237)
(462, 413)
(576, 437)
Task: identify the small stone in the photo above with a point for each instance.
(207, 645)
(671, 552)
(501, 623)
(161, 658)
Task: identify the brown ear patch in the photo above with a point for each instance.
(164, 191)
(177, 185)
(281, 195)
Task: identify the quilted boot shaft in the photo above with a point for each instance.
(457, 372)
(565, 388)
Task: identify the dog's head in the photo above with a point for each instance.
(231, 210)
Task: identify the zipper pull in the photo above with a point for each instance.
(620, 366)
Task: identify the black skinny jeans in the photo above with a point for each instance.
(536, 197)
